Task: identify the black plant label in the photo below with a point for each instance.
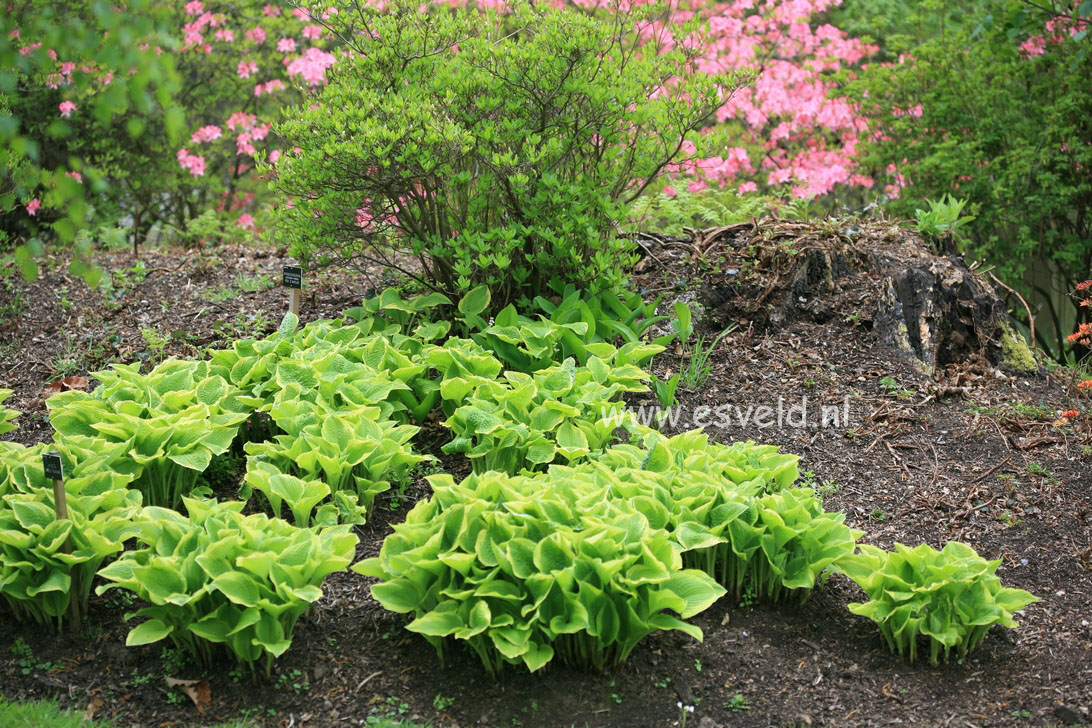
(51, 463)
(293, 276)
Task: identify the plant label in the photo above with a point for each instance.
(293, 276)
(51, 463)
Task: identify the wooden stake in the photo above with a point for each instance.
(293, 280)
(54, 470)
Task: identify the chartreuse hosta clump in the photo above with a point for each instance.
(354, 450)
(172, 420)
(951, 597)
(721, 511)
(526, 421)
(6, 415)
(218, 579)
(526, 569)
(46, 565)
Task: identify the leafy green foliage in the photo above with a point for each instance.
(218, 578)
(505, 161)
(672, 214)
(46, 564)
(951, 597)
(974, 108)
(172, 421)
(527, 569)
(943, 217)
(7, 415)
(732, 511)
(527, 421)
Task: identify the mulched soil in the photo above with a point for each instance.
(914, 463)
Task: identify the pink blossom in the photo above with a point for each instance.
(245, 221)
(312, 66)
(206, 134)
(274, 156)
(194, 164)
(312, 32)
(225, 35)
(286, 45)
(746, 188)
(256, 34)
(1034, 46)
(669, 191)
(75, 175)
(246, 69)
(33, 206)
(243, 145)
(242, 120)
(67, 107)
(271, 11)
(195, 7)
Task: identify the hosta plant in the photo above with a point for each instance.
(526, 421)
(173, 421)
(731, 511)
(353, 450)
(46, 564)
(949, 597)
(303, 498)
(217, 579)
(527, 569)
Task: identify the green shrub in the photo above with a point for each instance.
(218, 578)
(504, 161)
(952, 596)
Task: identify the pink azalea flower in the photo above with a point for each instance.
(75, 175)
(246, 69)
(312, 32)
(33, 206)
(225, 35)
(206, 134)
(242, 120)
(312, 66)
(271, 11)
(195, 7)
(257, 35)
(67, 107)
(286, 45)
(245, 221)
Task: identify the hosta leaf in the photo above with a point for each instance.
(147, 632)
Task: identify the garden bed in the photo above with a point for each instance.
(972, 456)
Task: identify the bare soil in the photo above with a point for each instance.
(973, 454)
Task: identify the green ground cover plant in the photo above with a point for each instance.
(216, 578)
(950, 597)
(48, 564)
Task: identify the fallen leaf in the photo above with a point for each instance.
(65, 385)
(92, 707)
(197, 690)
